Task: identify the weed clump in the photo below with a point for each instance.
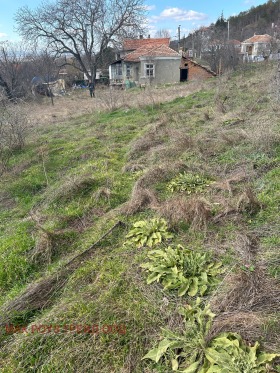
(148, 233)
(188, 183)
(181, 268)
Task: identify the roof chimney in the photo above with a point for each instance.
(140, 36)
(149, 36)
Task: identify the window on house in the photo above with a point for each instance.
(149, 70)
(118, 69)
(128, 71)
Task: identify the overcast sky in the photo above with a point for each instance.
(162, 14)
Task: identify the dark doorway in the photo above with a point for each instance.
(184, 75)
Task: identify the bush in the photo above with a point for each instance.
(13, 123)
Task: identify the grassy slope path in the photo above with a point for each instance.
(78, 177)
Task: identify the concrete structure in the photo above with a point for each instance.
(256, 48)
(151, 62)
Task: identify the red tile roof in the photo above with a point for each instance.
(132, 44)
(145, 51)
(259, 39)
(234, 42)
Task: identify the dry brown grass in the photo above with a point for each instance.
(7, 201)
(250, 325)
(247, 291)
(77, 103)
(195, 211)
(246, 246)
(248, 202)
(199, 213)
(71, 186)
(263, 134)
(141, 198)
(232, 137)
(103, 193)
(133, 167)
(158, 173)
(145, 143)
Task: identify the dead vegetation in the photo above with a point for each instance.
(248, 202)
(48, 244)
(246, 246)
(247, 304)
(250, 325)
(263, 134)
(141, 198)
(195, 211)
(77, 103)
(248, 290)
(13, 130)
(144, 143)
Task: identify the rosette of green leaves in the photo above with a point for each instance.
(180, 268)
(189, 183)
(148, 233)
(228, 353)
(184, 351)
(190, 352)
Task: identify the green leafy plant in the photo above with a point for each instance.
(148, 233)
(185, 351)
(188, 183)
(228, 353)
(180, 268)
(189, 352)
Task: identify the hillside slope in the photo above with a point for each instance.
(74, 293)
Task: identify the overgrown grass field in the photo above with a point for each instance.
(201, 174)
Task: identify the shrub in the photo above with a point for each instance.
(13, 125)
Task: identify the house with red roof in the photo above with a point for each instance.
(256, 48)
(145, 61)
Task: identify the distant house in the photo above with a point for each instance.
(236, 44)
(256, 48)
(192, 70)
(145, 61)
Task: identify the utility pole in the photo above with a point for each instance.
(179, 37)
(228, 30)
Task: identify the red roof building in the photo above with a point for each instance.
(132, 44)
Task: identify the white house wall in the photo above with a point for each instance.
(167, 70)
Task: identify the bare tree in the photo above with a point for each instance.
(14, 68)
(162, 33)
(82, 28)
